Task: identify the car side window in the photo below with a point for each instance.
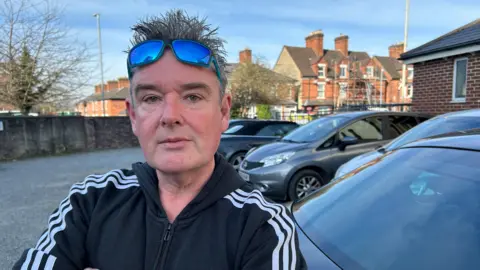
(274, 130)
(399, 124)
(365, 130)
(286, 128)
(422, 119)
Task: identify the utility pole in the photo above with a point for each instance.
(381, 87)
(334, 85)
(405, 38)
(97, 15)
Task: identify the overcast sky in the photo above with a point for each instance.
(266, 25)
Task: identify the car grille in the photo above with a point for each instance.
(249, 165)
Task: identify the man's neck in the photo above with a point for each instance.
(178, 190)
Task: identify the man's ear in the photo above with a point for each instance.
(225, 109)
(131, 113)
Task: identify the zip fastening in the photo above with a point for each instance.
(162, 250)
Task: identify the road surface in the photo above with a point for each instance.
(31, 189)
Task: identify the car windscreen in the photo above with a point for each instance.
(435, 127)
(417, 208)
(316, 129)
(233, 128)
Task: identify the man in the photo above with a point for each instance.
(185, 207)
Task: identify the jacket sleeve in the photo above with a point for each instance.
(275, 244)
(62, 245)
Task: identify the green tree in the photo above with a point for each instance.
(253, 83)
(41, 60)
(263, 111)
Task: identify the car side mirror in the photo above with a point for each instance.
(347, 140)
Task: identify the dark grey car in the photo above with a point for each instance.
(308, 157)
(245, 134)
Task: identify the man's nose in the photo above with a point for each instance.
(172, 112)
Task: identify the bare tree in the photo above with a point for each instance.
(41, 59)
(254, 83)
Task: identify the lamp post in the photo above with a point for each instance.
(404, 67)
(97, 15)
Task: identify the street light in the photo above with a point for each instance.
(97, 15)
(404, 67)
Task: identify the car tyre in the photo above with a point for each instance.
(236, 159)
(306, 180)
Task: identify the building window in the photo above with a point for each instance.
(409, 90)
(460, 80)
(369, 72)
(321, 70)
(343, 71)
(321, 90)
(410, 73)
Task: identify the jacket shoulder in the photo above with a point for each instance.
(94, 185)
(252, 201)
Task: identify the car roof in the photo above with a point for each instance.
(261, 121)
(357, 114)
(467, 140)
(463, 113)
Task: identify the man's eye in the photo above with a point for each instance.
(150, 99)
(193, 98)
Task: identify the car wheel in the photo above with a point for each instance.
(236, 160)
(304, 183)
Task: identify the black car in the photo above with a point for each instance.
(244, 134)
(416, 207)
(308, 157)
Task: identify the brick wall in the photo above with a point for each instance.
(34, 136)
(433, 84)
(95, 108)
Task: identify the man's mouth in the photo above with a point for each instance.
(174, 139)
(174, 142)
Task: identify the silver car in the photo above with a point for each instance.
(445, 123)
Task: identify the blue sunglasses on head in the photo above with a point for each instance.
(186, 51)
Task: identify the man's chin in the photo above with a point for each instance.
(175, 162)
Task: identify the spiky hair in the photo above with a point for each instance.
(177, 24)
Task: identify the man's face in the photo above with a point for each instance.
(177, 114)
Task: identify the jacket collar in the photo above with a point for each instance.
(223, 181)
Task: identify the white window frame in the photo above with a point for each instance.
(324, 68)
(410, 69)
(318, 85)
(410, 85)
(370, 71)
(461, 99)
(346, 71)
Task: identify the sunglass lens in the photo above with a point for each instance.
(146, 53)
(192, 52)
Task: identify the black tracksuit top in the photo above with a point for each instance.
(115, 221)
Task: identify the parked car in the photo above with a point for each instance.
(445, 123)
(242, 135)
(413, 208)
(309, 156)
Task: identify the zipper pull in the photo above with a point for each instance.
(167, 233)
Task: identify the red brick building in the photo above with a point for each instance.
(339, 76)
(115, 92)
(447, 71)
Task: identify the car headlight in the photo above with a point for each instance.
(276, 159)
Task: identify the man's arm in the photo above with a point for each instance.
(61, 246)
(275, 244)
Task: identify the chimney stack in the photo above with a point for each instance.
(395, 50)
(98, 88)
(112, 85)
(245, 56)
(314, 41)
(123, 82)
(341, 44)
